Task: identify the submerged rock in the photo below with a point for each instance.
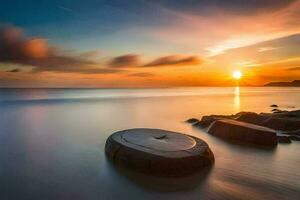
(158, 152)
(206, 121)
(244, 132)
(192, 120)
(293, 114)
(248, 126)
(280, 111)
(283, 139)
(251, 117)
(283, 124)
(295, 132)
(274, 106)
(293, 137)
(283, 120)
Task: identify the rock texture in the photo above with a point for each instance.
(283, 124)
(295, 138)
(158, 152)
(208, 120)
(244, 132)
(284, 139)
(252, 117)
(287, 121)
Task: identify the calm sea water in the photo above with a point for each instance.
(52, 144)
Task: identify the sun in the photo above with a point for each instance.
(237, 74)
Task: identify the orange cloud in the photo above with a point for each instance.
(134, 61)
(128, 60)
(35, 48)
(36, 52)
(175, 60)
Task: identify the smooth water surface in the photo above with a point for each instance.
(52, 143)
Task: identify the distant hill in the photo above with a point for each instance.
(295, 83)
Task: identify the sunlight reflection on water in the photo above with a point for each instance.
(237, 98)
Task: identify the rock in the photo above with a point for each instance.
(252, 117)
(280, 111)
(295, 132)
(158, 152)
(288, 114)
(206, 121)
(274, 106)
(295, 83)
(277, 111)
(244, 132)
(283, 124)
(209, 119)
(280, 121)
(192, 120)
(283, 139)
(293, 137)
(249, 117)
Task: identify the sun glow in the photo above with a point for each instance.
(237, 75)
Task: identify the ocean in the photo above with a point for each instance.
(52, 144)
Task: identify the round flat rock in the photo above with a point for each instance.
(158, 152)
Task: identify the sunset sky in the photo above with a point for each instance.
(148, 43)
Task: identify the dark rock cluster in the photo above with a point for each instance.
(250, 127)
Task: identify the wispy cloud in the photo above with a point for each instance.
(37, 54)
(222, 29)
(128, 60)
(175, 60)
(141, 74)
(134, 61)
(16, 48)
(294, 69)
(263, 49)
(278, 51)
(203, 7)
